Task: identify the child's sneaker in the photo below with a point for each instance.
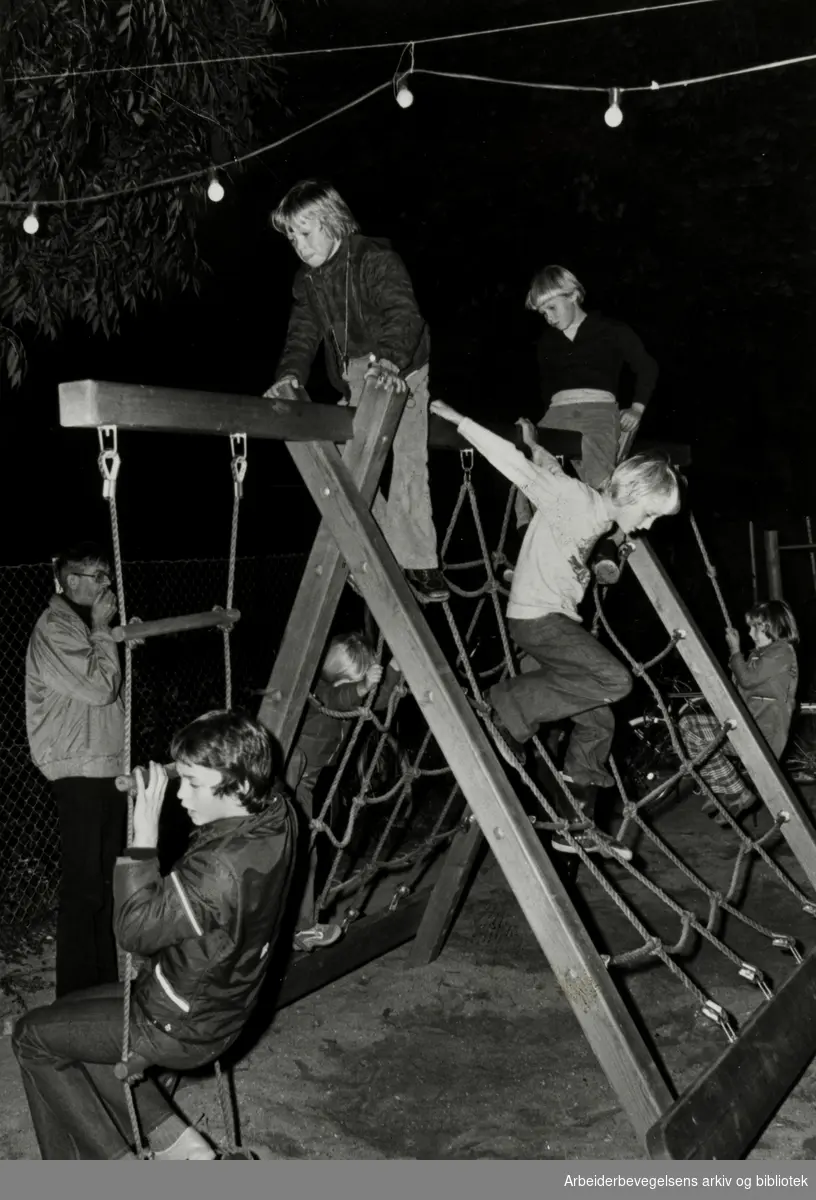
(592, 841)
(316, 937)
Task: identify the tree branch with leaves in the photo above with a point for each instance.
(115, 113)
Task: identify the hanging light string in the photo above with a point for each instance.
(402, 93)
(446, 37)
(404, 96)
(654, 86)
(188, 176)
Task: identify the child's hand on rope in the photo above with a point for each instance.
(148, 805)
(373, 676)
(445, 411)
(630, 418)
(385, 374)
(732, 639)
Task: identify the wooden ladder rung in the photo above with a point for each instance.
(137, 630)
(127, 783)
(728, 1106)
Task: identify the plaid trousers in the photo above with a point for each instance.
(697, 731)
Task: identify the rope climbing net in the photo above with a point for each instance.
(716, 902)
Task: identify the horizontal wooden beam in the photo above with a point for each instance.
(89, 403)
(127, 783)
(566, 443)
(136, 631)
(729, 1105)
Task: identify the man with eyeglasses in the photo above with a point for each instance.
(76, 733)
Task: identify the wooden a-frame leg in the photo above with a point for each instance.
(759, 762)
(458, 871)
(600, 1009)
(375, 423)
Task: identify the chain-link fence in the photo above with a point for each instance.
(174, 679)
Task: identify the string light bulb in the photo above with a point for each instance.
(31, 224)
(405, 97)
(613, 115)
(215, 190)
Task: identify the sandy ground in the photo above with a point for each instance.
(479, 1055)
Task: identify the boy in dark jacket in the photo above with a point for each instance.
(205, 930)
(354, 295)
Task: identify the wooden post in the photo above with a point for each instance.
(298, 658)
(447, 896)
(726, 705)
(809, 535)
(607, 1024)
(774, 564)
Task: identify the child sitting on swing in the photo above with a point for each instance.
(348, 674)
(206, 931)
(766, 681)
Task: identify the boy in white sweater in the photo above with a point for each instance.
(567, 672)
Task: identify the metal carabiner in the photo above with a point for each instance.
(238, 449)
(108, 460)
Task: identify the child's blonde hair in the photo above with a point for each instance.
(315, 198)
(347, 659)
(645, 476)
(775, 619)
(552, 281)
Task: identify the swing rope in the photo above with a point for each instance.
(109, 462)
(238, 469)
(109, 466)
(711, 571)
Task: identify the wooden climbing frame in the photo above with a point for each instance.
(343, 487)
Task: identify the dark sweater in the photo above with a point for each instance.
(359, 302)
(594, 359)
(321, 735)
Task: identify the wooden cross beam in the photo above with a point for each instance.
(90, 403)
(607, 1024)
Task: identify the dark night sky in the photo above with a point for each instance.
(694, 222)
